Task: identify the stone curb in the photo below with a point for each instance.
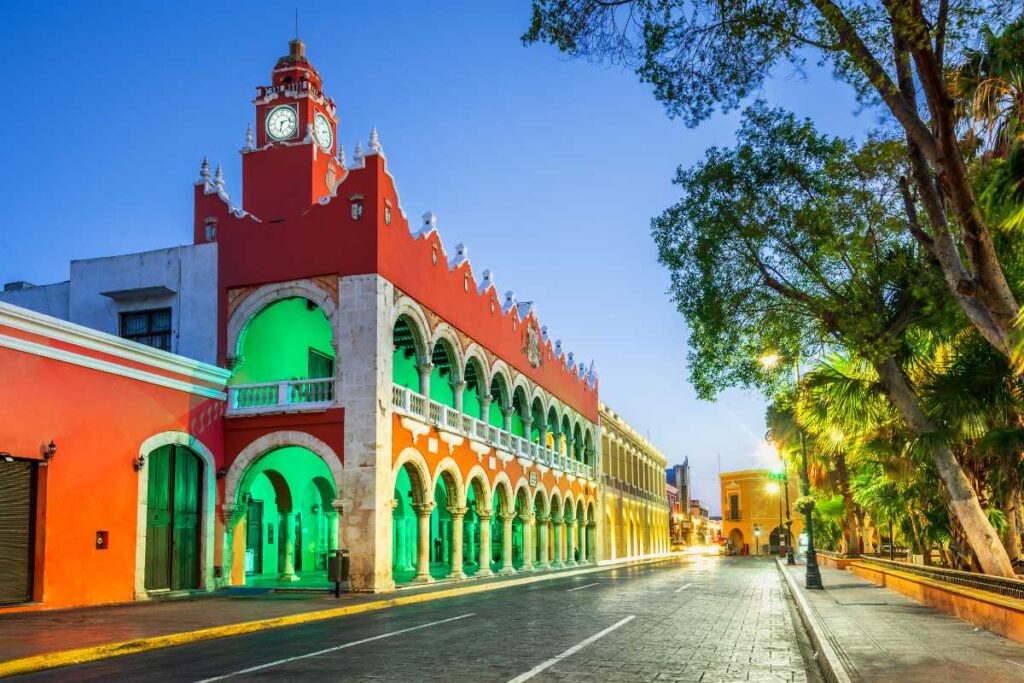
(825, 655)
(53, 660)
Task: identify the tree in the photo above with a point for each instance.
(700, 55)
(797, 241)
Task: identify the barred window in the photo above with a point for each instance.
(152, 328)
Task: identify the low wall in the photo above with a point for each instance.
(835, 560)
(990, 611)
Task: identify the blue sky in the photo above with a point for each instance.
(548, 168)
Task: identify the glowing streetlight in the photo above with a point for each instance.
(769, 360)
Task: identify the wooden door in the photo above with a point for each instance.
(17, 529)
(173, 518)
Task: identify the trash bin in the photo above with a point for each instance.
(339, 563)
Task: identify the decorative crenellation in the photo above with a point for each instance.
(522, 310)
(216, 186)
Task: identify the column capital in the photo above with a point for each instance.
(233, 511)
(425, 368)
(507, 411)
(458, 385)
(391, 504)
(485, 515)
(543, 518)
(526, 518)
(557, 519)
(456, 511)
(508, 516)
(339, 507)
(423, 509)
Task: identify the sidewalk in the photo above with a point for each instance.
(138, 626)
(879, 635)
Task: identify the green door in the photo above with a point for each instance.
(173, 515)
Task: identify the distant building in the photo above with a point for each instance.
(751, 504)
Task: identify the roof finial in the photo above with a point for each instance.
(374, 141)
(296, 23)
(218, 178)
(250, 142)
(341, 154)
(357, 155)
(204, 170)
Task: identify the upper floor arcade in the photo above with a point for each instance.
(630, 464)
(446, 379)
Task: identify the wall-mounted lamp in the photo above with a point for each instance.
(139, 462)
(316, 508)
(222, 472)
(49, 451)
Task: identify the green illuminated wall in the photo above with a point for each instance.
(403, 369)
(309, 484)
(277, 340)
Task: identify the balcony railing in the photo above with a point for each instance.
(271, 397)
(412, 403)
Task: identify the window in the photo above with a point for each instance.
(152, 328)
(734, 506)
(320, 365)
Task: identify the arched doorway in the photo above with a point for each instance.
(173, 519)
(736, 540)
(290, 524)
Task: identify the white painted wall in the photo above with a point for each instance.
(48, 299)
(190, 271)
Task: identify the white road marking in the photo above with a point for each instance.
(571, 651)
(580, 587)
(682, 588)
(332, 649)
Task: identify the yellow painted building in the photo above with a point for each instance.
(636, 512)
(750, 510)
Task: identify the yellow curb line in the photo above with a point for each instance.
(53, 660)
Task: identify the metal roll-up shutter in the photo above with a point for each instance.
(17, 529)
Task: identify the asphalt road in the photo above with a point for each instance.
(715, 619)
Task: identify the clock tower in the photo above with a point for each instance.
(290, 164)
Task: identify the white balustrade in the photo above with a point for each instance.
(275, 396)
(409, 401)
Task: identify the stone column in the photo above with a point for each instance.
(485, 408)
(468, 540)
(527, 542)
(583, 542)
(527, 424)
(542, 535)
(570, 560)
(506, 543)
(423, 511)
(288, 538)
(425, 369)
(458, 514)
(558, 523)
(506, 414)
(484, 517)
(232, 515)
(457, 390)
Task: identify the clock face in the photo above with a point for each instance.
(322, 132)
(281, 123)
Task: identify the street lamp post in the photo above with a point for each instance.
(790, 559)
(813, 576)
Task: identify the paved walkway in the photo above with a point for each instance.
(881, 636)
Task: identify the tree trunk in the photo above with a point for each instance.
(1012, 530)
(852, 528)
(962, 501)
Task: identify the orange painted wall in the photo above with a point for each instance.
(98, 421)
(466, 459)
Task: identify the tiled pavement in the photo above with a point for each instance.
(882, 636)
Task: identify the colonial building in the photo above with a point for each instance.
(635, 508)
(109, 453)
(753, 503)
(384, 395)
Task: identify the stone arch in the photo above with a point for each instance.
(568, 503)
(477, 481)
(522, 495)
(555, 502)
(409, 309)
(447, 473)
(419, 474)
(500, 368)
(519, 381)
(503, 487)
(208, 505)
(475, 352)
(272, 441)
(445, 332)
(264, 296)
(542, 495)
